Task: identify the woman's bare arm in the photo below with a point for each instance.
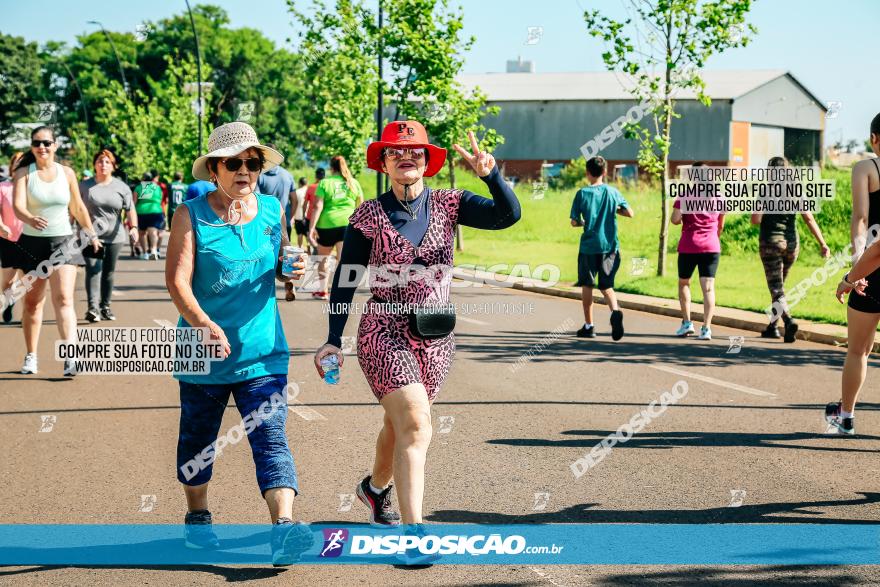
(859, 222)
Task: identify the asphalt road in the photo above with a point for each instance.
(744, 445)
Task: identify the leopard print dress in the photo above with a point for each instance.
(388, 354)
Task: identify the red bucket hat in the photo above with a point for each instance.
(408, 134)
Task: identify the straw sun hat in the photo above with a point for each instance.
(229, 140)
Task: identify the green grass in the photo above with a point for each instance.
(544, 235)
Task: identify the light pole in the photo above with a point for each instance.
(192, 23)
(116, 53)
(82, 98)
(380, 104)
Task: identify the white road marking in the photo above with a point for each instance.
(471, 321)
(538, 572)
(116, 293)
(305, 412)
(713, 381)
(164, 323)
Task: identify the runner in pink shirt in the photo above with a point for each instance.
(699, 247)
(10, 230)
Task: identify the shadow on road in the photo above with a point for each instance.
(507, 346)
(804, 512)
(661, 440)
(730, 576)
(230, 574)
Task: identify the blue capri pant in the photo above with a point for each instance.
(262, 403)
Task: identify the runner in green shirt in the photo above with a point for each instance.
(336, 198)
(148, 205)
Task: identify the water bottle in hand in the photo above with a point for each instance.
(330, 364)
(290, 256)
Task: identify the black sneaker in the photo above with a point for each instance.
(381, 512)
(106, 314)
(7, 313)
(838, 425)
(289, 541)
(585, 332)
(791, 329)
(616, 324)
(771, 332)
(92, 316)
(197, 531)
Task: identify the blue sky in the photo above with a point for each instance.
(827, 46)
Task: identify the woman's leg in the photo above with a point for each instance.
(201, 412)
(409, 410)
(196, 497)
(684, 298)
(771, 259)
(111, 255)
(323, 274)
(142, 240)
(383, 466)
(860, 328)
(93, 278)
(789, 256)
(262, 403)
(153, 239)
(8, 276)
(63, 283)
(708, 286)
(338, 248)
(32, 314)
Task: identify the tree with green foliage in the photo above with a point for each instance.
(155, 131)
(423, 44)
(246, 67)
(424, 48)
(242, 64)
(662, 47)
(337, 47)
(20, 83)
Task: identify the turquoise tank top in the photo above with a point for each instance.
(49, 200)
(234, 282)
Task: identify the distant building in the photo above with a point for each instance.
(754, 115)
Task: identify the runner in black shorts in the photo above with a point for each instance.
(598, 269)
(595, 208)
(698, 248)
(328, 237)
(863, 313)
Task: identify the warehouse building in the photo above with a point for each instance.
(754, 115)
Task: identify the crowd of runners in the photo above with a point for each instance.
(234, 226)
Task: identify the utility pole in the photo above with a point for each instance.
(192, 23)
(380, 105)
(116, 53)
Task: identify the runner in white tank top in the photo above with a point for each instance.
(45, 194)
(50, 200)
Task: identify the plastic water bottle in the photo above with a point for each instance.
(330, 364)
(291, 256)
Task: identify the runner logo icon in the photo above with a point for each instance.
(334, 541)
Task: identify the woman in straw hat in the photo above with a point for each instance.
(223, 258)
(410, 227)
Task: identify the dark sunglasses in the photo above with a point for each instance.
(42, 143)
(234, 164)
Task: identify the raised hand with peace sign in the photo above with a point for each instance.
(481, 162)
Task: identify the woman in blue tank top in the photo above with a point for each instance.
(223, 259)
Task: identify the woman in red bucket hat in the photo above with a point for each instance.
(406, 238)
